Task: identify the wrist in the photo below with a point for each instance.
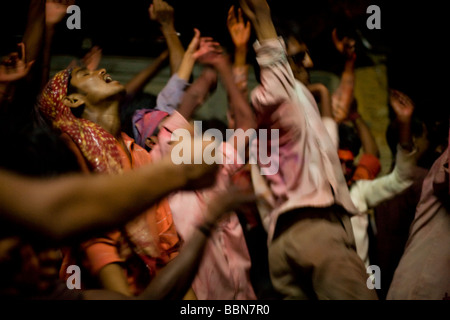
(241, 49)
(354, 116)
(50, 28)
(223, 67)
(169, 30)
(187, 65)
(404, 121)
(240, 56)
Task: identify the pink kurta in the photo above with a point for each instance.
(224, 273)
(310, 174)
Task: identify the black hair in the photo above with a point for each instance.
(349, 139)
(33, 148)
(345, 27)
(287, 28)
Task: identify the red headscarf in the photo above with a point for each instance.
(100, 150)
(97, 145)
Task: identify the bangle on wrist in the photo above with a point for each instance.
(174, 32)
(170, 32)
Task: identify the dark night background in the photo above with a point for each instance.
(411, 36)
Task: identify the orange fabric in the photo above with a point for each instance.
(345, 155)
(151, 235)
(101, 251)
(167, 234)
(159, 245)
(368, 168)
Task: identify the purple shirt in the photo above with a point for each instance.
(146, 121)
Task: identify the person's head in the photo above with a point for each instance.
(429, 139)
(349, 147)
(296, 48)
(344, 36)
(97, 145)
(146, 126)
(91, 89)
(299, 59)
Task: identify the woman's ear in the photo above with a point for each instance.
(74, 100)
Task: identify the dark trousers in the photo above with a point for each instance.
(313, 256)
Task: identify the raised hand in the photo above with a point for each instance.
(209, 52)
(92, 59)
(214, 58)
(201, 47)
(258, 12)
(402, 105)
(254, 8)
(346, 46)
(15, 67)
(56, 10)
(162, 12)
(239, 31)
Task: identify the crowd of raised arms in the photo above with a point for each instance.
(88, 181)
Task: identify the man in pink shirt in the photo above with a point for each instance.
(224, 273)
(311, 244)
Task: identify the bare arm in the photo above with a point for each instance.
(176, 278)
(244, 116)
(55, 11)
(196, 94)
(375, 191)
(240, 34)
(342, 98)
(276, 77)
(12, 69)
(112, 277)
(35, 29)
(258, 12)
(33, 41)
(163, 13)
(69, 207)
(199, 46)
(321, 93)
(403, 107)
(139, 81)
